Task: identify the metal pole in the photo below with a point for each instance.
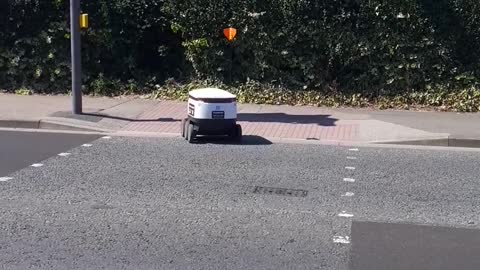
(231, 61)
(76, 60)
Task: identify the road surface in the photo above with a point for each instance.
(21, 149)
(160, 203)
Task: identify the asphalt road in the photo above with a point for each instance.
(22, 149)
(153, 203)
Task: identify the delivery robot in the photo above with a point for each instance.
(211, 112)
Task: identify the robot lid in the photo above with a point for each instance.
(211, 93)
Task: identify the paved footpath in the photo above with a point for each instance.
(263, 121)
(129, 115)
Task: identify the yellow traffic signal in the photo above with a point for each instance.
(84, 21)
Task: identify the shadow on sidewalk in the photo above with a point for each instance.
(97, 117)
(246, 140)
(130, 119)
(321, 120)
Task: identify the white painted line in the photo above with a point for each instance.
(350, 180)
(341, 239)
(36, 165)
(348, 194)
(64, 154)
(87, 145)
(353, 149)
(5, 179)
(352, 158)
(350, 168)
(106, 137)
(345, 214)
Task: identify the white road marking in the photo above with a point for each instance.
(106, 137)
(87, 145)
(64, 154)
(345, 214)
(5, 179)
(346, 239)
(36, 165)
(341, 239)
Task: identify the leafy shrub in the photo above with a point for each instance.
(343, 52)
(465, 100)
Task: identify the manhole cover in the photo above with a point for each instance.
(280, 191)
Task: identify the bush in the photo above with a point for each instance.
(348, 49)
(465, 100)
(368, 47)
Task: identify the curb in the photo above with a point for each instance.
(464, 142)
(49, 124)
(34, 124)
(450, 141)
(45, 124)
(443, 141)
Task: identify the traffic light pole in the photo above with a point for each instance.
(232, 51)
(76, 60)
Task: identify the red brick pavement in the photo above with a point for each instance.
(166, 117)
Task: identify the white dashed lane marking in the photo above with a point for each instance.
(64, 154)
(36, 165)
(106, 137)
(87, 145)
(346, 239)
(5, 179)
(341, 239)
(345, 214)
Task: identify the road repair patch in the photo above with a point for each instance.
(406, 246)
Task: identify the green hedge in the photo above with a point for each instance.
(370, 48)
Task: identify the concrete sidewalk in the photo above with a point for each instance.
(150, 117)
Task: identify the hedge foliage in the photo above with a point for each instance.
(367, 48)
(440, 99)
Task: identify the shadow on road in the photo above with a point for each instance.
(246, 140)
(321, 120)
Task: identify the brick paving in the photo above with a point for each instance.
(269, 122)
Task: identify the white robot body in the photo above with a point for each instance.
(211, 111)
(200, 108)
